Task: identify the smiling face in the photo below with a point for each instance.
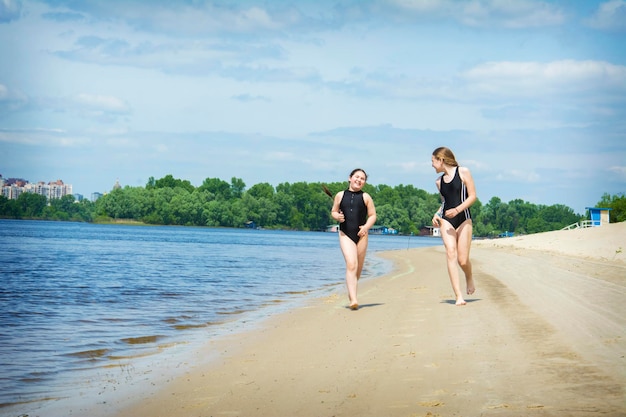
(357, 180)
(437, 164)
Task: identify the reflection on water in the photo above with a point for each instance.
(77, 297)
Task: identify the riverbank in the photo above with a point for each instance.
(542, 336)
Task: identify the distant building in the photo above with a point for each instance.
(429, 231)
(52, 190)
(95, 196)
(599, 215)
(382, 230)
(11, 191)
(13, 187)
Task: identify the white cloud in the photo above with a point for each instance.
(511, 14)
(43, 137)
(280, 156)
(536, 78)
(610, 16)
(249, 98)
(283, 90)
(11, 100)
(516, 176)
(486, 13)
(101, 103)
(620, 171)
(120, 142)
(189, 19)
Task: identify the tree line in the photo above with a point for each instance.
(294, 206)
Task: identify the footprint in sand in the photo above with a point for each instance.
(431, 403)
(492, 407)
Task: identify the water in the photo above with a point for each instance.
(77, 298)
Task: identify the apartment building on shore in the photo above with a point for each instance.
(13, 187)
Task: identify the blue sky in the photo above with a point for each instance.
(530, 95)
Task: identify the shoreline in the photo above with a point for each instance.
(542, 336)
(127, 376)
(76, 365)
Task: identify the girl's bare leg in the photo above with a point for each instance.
(350, 255)
(449, 236)
(361, 249)
(464, 241)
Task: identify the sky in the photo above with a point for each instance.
(530, 95)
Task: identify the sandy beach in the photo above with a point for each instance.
(544, 335)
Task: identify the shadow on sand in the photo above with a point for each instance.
(367, 305)
(453, 302)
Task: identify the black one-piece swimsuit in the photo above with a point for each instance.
(454, 193)
(355, 213)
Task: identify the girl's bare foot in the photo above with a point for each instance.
(460, 302)
(470, 285)
(354, 306)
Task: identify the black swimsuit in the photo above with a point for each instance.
(355, 213)
(454, 193)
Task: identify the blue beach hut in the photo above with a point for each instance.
(599, 216)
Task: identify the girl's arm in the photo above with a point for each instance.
(439, 212)
(371, 212)
(466, 177)
(335, 212)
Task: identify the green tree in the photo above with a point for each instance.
(217, 187)
(32, 205)
(492, 215)
(262, 190)
(169, 181)
(219, 213)
(537, 225)
(237, 187)
(10, 208)
(119, 204)
(392, 216)
(261, 210)
(617, 204)
(300, 206)
(63, 208)
(525, 211)
(385, 194)
(162, 211)
(285, 204)
(83, 211)
(184, 211)
(557, 216)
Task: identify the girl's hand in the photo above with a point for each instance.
(435, 220)
(453, 212)
(340, 217)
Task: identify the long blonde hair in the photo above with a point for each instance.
(446, 155)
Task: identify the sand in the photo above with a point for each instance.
(544, 335)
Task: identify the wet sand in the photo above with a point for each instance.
(544, 335)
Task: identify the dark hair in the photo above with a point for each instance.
(354, 171)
